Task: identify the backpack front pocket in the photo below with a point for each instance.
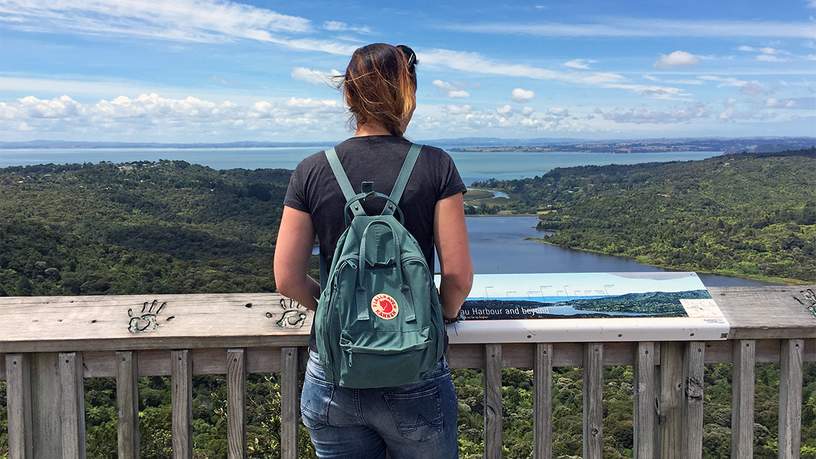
(385, 358)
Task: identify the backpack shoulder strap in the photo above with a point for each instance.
(342, 180)
(405, 173)
(340, 174)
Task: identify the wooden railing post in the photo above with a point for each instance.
(670, 429)
(593, 400)
(46, 394)
(236, 403)
(127, 404)
(181, 373)
(742, 398)
(790, 397)
(18, 379)
(493, 401)
(289, 402)
(694, 370)
(542, 400)
(645, 393)
(72, 405)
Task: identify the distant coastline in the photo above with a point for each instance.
(475, 144)
(751, 145)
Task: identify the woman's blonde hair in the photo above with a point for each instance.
(380, 85)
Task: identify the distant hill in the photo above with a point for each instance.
(751, 215)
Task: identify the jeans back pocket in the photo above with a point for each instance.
(315, 399)
(417, 414)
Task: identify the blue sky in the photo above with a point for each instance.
(211, 70)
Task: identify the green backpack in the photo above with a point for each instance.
(379, 317)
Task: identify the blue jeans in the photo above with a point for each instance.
(411, 421)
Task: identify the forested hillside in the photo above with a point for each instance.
(170, 226)
(751, 215)
(163, 227)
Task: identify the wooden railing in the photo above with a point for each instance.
(51, 344)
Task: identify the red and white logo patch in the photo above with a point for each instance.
(385, 306)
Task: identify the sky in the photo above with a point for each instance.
(217, 71)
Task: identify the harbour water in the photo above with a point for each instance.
(472, 166)
(502, 245)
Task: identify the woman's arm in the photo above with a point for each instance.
(292, 251)
(450, 237)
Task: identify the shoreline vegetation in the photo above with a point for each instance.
(749, 215)
(751, 145)
(173, 227)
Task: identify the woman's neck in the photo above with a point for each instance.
(370, 129)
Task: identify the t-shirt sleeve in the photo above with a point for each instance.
(450, 182)
(296, 191)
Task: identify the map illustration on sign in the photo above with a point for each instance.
(517, 296)
(624, 306)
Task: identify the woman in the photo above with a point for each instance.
(410, 421)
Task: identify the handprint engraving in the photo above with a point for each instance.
(147, 319)
(808, 300)
(294, 314)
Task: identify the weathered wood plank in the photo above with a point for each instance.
(112, 322)
(521, 355)
(644, 398)
(182, 402)
(492, 401)
(205, 362)
(694, 369)
(766, 312)
(72, 410)
(152, 342)
(236, 403)
(289, 402)
(593, 400)
(127, 404)
(670, 419)
(790, 398)
(543, 400)
(742, 399)
(18, 373)
(46, 405)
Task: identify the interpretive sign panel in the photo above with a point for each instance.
(569, 307)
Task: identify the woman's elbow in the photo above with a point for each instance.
(284, 282)
(460, 279)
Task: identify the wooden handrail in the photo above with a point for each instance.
(52, 343)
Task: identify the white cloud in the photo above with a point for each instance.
(647, 115)
(811, 3)
(450, 89)
(673, 81)
(767, 53)
(752, 88)
(648, 27)
(676, 59)
(800, 103)
(150, 115)
(339, 26)
(471, 62)
(770, 58)
(317, 77)
(522, 95)
(579, 64)
(469, 120)
(202, 21)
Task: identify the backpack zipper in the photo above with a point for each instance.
(341, 262)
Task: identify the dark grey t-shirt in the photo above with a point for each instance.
(313, 188)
